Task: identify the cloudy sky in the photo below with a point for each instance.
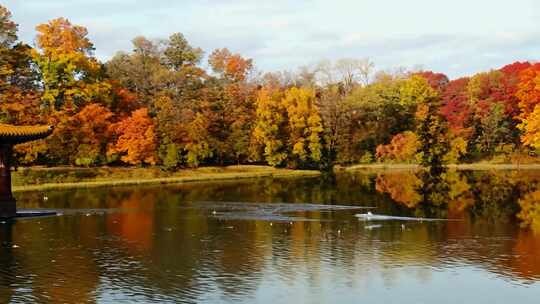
(458, 37)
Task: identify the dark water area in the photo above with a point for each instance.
(281, 241)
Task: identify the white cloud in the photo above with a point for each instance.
(456, 37)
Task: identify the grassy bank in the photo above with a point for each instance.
(475, 166)
(35, 178)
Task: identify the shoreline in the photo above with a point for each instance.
(186, 176)
(68, 178)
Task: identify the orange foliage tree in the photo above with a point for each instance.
(83, 137)
(135, 142)
(232, 66)
(528, 93)
(402, 148)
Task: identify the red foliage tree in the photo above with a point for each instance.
(455, 105)
(437, 81)
(510, 84)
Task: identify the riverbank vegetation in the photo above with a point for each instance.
(36, 178)
(159, 105)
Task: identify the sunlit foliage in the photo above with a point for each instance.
(161, 104)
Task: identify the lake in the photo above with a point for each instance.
(281, 241)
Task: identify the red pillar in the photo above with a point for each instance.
(7, 201)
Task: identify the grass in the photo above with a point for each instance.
(38, 178)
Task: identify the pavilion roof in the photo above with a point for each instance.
(11, 134)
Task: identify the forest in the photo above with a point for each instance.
(170, 104)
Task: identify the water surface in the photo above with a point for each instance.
(270, 241)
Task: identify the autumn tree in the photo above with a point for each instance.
(164, 76)
(304, 124)
(510, 83)
(430, 125)
(84, 137)
(231, 66)
(528, 94)
(198, 147)
(376, 114)
(157, 67)
(402, 148)
(71, 75)
(270, 127)
(19, 86)
(437, 81)
(8, 28)
(457, 150)
(492, 125)
(157, 104)
(456, 108)
(135, 139)
(233, 98)
(19, 96)
(336, 114)
(179, 53)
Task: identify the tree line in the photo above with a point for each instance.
(159, 105)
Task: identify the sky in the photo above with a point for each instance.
(456, 37)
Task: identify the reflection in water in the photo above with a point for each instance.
(164, 244)
(530, 211)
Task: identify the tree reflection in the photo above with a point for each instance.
(154, 238)
(530, 211)
(481, 196)
(402, 187)
(134, 222)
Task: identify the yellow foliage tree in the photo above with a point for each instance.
(458, 148)
(305, 124)
(270, 118)
(198, 147)
(70, 72)
(416, 91)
